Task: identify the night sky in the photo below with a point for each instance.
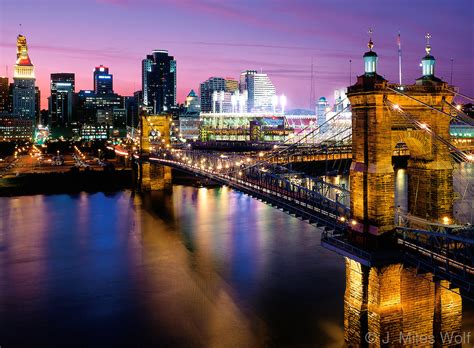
(221, 38)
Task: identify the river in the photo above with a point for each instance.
(191, 267)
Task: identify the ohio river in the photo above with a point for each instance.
(194, 267)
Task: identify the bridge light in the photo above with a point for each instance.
(396, 107)
(353, 222)
(423, 126)
(446, 220)
(342, 219)
(458, 106)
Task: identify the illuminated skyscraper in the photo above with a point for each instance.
(23, 82)
(260, 90)
(60, 102)
(103, 81)
(159, 81)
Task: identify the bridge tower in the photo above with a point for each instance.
(378, 125)
(155, 134)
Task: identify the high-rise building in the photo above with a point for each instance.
(231, 85)
(322, 108)
(216, 93)
(159, 82)
(207, 90)
(4, 95)
(260, 90)
(61, 100)
(37, 104)
(192, 103)
(23, 82)
(103, 81)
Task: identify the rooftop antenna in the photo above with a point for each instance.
(399, 58)
(311, 91)
(350, 72)
(451, 79)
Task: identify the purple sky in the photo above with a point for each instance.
(221, 38)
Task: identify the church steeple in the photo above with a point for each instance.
(370, 58)
(428, 61)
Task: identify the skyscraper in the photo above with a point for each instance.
(159, 81)
(61, 100)
(260, 91)
(4, 95)
(103, 81)
(23, 82)
(206, 91)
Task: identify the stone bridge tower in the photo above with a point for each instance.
(155, 134)
(378, 125)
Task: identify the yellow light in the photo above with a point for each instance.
(342, 218)
(424, 126)
(458, 106)
(396, 107)
(240, 173)
(248, 159)
(353, 222)
(260, 154)
(446, 220)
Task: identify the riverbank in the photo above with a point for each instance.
(72, 181)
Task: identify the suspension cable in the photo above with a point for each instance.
(423, 127)
(462, 95)
(423, 103)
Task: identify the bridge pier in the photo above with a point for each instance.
(154, 177)
(393, 303)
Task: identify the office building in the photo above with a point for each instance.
(260, 89)
(89, 103)
(192, 103)
(159, 82)
(61, 99)
(216, 94)
(4, 95)
(103, 81)
(13, 127)
(24, 98)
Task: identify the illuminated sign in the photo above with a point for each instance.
(63, 84)
(105, 77)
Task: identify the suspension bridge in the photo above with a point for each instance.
(359, 221)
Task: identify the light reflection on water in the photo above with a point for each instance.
(195, 267)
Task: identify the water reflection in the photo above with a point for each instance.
(190, 267)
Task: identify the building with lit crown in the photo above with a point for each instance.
(103, 81)
(24, 100)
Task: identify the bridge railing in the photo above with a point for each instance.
(452, 255)
(317, 200)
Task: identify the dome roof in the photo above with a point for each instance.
(428, 57)
(370, 54)
(322, 99)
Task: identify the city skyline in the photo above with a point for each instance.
(282, 50)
